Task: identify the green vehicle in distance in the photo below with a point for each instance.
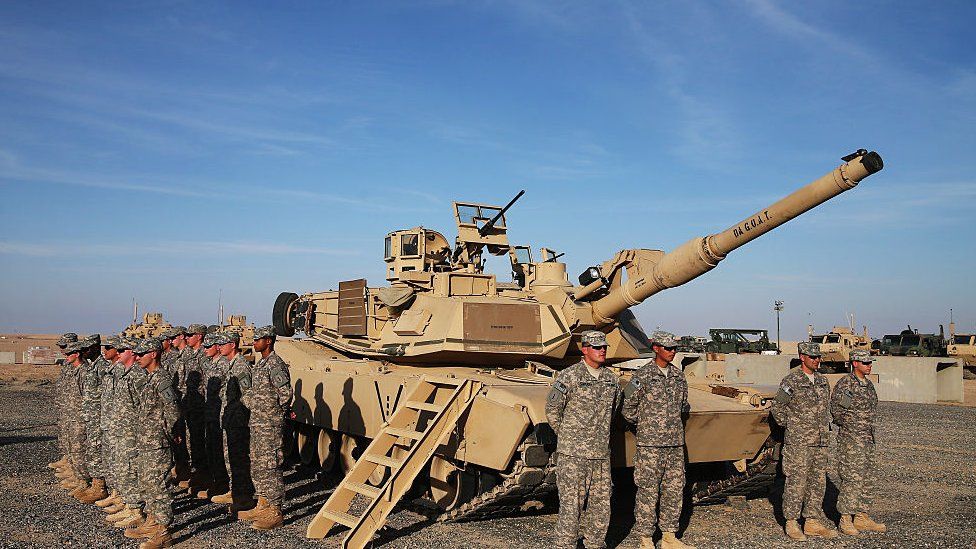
(739, 341)
(911, 343)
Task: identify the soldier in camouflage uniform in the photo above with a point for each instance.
(268, 400)
(854, 405)
(62, 466)
(112, 369)
(235, 418)
(74, 393)
(214, 373)
(656, 401)
(91, 411)
(802, 407)
(159, 409)
(125, 429)
(172, 362)
(190, 388)
(580, 408)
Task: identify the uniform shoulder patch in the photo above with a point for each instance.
(846, 399)
(166, 391)
(785, 394)
(560, 386)
(279, 377)
(245, 379)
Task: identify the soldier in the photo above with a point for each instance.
(656, 399)
(113, 368)
(581, 405)
(268, 400)
(125, 430)
(802, 406)
(170, 354)
(74, 392)
(214, 373)
(158, 412)
(854, 405)
(62, 467)
(190, 386)
(234, 420)
(91, 410)
(172, 362)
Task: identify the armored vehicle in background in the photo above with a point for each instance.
(736, 340)
(442, 321)
(962, 346)
(238, 324)
(152, 325)
(911, 343)
(691, 344)
(837, 344)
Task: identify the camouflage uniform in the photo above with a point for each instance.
(580, 409)
(655, 403)
(214, 375)
(74, 395)
(235, 420)
(172, 367)
(91, 413)
(106, 418)
(854, 405)
(193, 390)
(61, 383)
(159, 410)
(127, 425)
(802, 408)
(268, 399)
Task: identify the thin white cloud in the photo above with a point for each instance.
(74, 249)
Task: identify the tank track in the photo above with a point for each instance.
(526, 484)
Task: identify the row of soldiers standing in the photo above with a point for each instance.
(585, 398)
(141, 420)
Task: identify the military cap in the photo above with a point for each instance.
(73, 347)
(209, 340)
(232, 337)
(125, 343)
(664, 339)
(93, 340)
(196, 329)
(148, 345)
(264, 331)
(66, 338)
(178, 330)
(809, 348)
(593, 338)
(168, 333)
(213, 328)
(111, 341)
(861, 355)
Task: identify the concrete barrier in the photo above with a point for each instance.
(900, 379)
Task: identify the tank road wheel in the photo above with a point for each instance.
(328, 447)
(308, 444)
(450, 485)
(279, 315)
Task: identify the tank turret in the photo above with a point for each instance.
(441, 307)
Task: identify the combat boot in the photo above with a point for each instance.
(647, 542)
(269, 519)
(114, 508)
(241, 505)
(253, 513)
(95, 493)
(793, 531)
(135, 519)
(669, 541)
(223, 498)
(159, 537)
(847, 526)
(144, 530)
(63, 474)
(69, 484)
(122, 514)
(59, 464)
(203, 494)
(866, 524)
(82, 487)
(108, 501)
(814, 528)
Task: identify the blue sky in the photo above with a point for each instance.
(174, 151)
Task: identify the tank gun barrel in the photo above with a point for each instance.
(700, 255)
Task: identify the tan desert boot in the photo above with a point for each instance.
(847, 526)
(670, 541)
(203, 494)
(251, 514)
(647, 542)
(223, 498)
(95, 493)
(135, 519)
(813, 527)
(793, 531)
(114, 508)
(63, 474)
(269, 519)
(108, 500)
(121, 514)
(69, 484)
(59, 464)
(82, 487)
(865, 524)
(160, 536)
(143, 530)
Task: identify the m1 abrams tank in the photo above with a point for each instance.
(366, 348)
(152, 325)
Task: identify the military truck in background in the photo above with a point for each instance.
(964, 347)
(152, 325)
(739, 341)
(911, 343)
(837, 344)
(692, 344)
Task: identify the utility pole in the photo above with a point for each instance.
(778, 306)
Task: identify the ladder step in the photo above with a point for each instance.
(423, 406)
(385, 461)
(405, 433)
(339, 517)
(364, 489)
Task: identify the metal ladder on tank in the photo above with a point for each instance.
(441, 401)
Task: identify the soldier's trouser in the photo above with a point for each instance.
(108, 457)
(584, 486)
(127, 474)
(856, 466)
(77, 451)
(659, 472)
(266, 460)
(237, 453)
(805, 468)
(215, 453)
(93, 449)
(154, 466)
